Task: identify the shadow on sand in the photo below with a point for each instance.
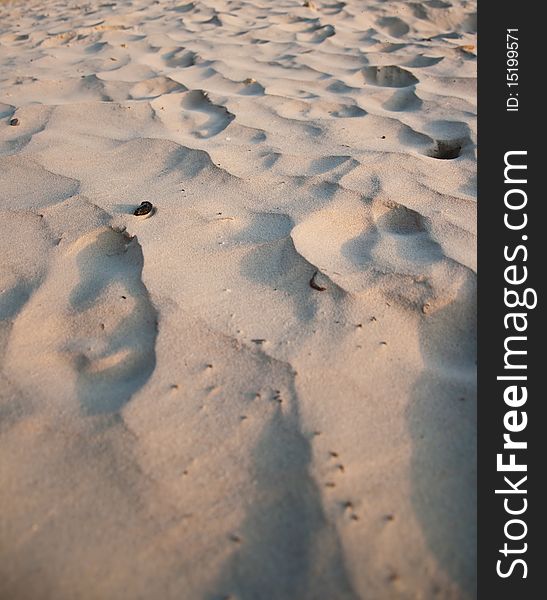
(289, 550)
(442, 423)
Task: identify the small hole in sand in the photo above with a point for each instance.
(446, 149)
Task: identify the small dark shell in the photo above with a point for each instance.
(144, 209)
(14, 122)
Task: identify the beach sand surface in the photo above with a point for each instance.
(266, 389)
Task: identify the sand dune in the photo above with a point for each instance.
(266, 390)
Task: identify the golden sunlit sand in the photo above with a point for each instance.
(265, 389)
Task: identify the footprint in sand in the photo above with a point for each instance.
(110, 267)
(449, 139)
(210, 118)
(179, 58)
(394, 26)
(155, 87)
(88, 332)
(25, 246)
(404, 99)
(317, 35)
(389, 76)
(398, 241)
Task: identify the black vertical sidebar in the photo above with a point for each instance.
(512, 253)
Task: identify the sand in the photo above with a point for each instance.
(183, 416)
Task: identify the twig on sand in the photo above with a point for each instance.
(315, 285)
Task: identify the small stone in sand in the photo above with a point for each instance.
(14, 122)
(144, 209)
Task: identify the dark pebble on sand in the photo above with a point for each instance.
(144, 209)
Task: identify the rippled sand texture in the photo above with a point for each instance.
(183, 416)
